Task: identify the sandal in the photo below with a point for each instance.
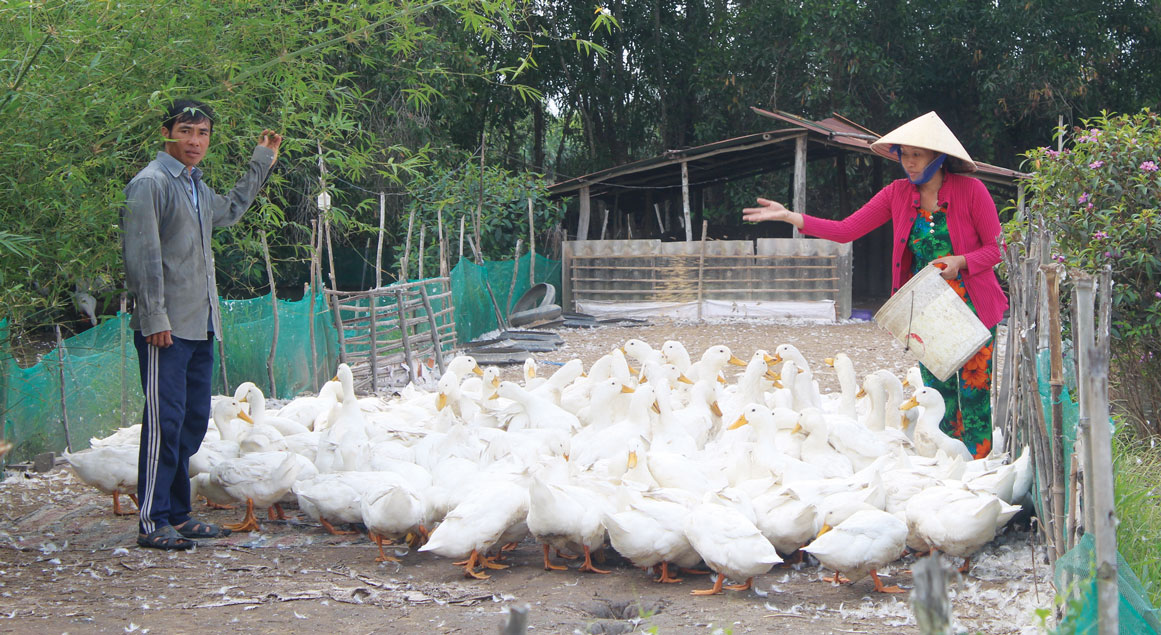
(197, 529)
(165, 538)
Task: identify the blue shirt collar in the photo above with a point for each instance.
(176, 168)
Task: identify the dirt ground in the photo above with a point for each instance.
(68, 565)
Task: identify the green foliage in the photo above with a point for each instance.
(1098, 199)
(83, 85)
(1138, 505)
(449, 194)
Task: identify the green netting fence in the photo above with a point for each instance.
(474, 312)
(102, 385)
(102, 389)
(1075, 573)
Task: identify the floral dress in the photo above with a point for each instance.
(967, 394)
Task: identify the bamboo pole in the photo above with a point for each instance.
(531, 245)
(1104, 496)
(64, 407)
(122, 329)
(480, 205)
(334, 287)
(314, 263)
(434, 326)
(461, 256)
(422, 254)
(222, 362)
(404, 268)
(403, 334)
(439, 228)
(1056, 381)
(701, 268)
(379, 249)
(274, 301)
(512, 287)
(373, 334)
(685, 200)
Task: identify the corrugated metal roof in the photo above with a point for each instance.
(746, 156)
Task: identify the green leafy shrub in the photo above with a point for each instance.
(454, 193)
(1098, 198)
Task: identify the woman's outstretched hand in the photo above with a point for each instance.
(771, 210)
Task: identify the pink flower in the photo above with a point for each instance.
(1157, 294)
(1083, 198)
(1096, 164)
(1148, 166)
(1099, 235)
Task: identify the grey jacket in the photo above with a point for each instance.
(169, 264)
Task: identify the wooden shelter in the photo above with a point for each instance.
(666, 189)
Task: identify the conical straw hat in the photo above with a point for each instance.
(927, 131)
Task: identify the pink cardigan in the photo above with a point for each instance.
(972, 222)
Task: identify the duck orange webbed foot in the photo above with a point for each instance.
(588, 564)
(380, 540)
(665, 577)
(966, 566)
(837, 579)
(470, 567)
(884, 589)
(548, 566)
(121, 511)
(740, 587)
(335, 532)
(717, 588)
(249, 521)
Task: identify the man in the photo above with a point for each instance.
(168, 218)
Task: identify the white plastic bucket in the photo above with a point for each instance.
(932, 322)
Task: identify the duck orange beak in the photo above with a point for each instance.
(716, 409)
(741, 421)
(909, 404)
(736, 361)
(245, 417)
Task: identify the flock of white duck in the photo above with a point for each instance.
(649, 452)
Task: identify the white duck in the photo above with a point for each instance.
(393, 509)
(957, 521)
(259, 478)
(109, 468)
(929, 439)
(566, 516)
(478, 523)
(863, 543)
(650, 532)
(729, 543)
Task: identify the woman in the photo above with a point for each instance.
(940, 217)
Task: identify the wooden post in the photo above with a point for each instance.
(421, 253)
(439, 229)
(462, 218)
(701, 268)
(582, 227)
(480, 205)
(434, 326)
(404, 269)
(314, 264)
(123, 326)
(64, 408)
(531, 245)
(403, 334)
(657, 212)
(373, 335)
(1056, 381)
(1103, 501)
(512, 287)
(222, 362)
(685, 200)
(274, 301)
(605, 220)
(1082, 320)
(799, 177)
(379, 249)
(338, 314)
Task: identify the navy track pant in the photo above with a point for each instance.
(176, 383)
